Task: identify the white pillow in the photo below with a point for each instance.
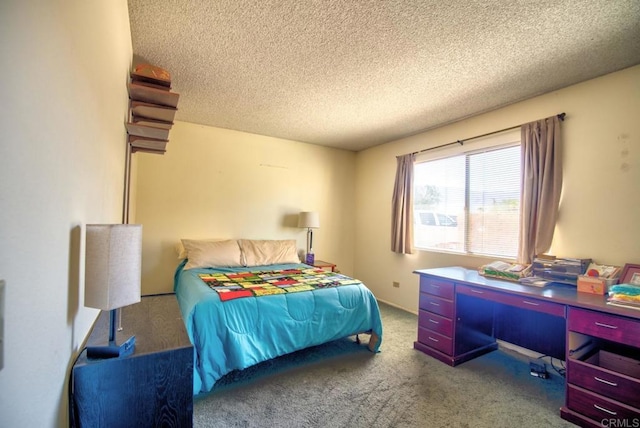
(182, 252)
(268, 252)
(212, 253)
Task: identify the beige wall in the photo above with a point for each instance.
(62, 146)
(599, 209)
(179, 193)
(218, 183)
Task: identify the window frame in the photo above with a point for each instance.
(503, 140)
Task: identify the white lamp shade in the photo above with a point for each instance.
(113, 265)
(309, 219)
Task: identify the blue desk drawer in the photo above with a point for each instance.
(436, 305)
(437, 287)
(595, 374)
(605, 326)
(435, 340)
(528, 303)
(436, 323)
(599, 408)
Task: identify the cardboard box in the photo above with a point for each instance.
(594, 285)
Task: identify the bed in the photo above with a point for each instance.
(247, 301)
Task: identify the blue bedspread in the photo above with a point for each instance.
(239, 333)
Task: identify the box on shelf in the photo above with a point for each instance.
(595, 285)
(151, 74)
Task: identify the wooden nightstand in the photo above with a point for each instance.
(150, 388)
(325, 265)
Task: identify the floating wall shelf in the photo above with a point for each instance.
(152, 108)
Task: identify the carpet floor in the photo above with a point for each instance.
(342, 384)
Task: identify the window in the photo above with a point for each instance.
(469, 202)
(428, 219)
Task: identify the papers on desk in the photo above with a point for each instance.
(624, 305)
(535, 281)
(602, 271)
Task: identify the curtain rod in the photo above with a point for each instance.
(461, 142)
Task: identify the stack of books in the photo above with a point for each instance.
(152, 109)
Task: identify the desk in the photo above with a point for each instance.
(462, 313)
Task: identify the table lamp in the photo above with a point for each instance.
(113, 269)
(310, 220)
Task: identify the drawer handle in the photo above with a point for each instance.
(434, 303)
(435, 285)
(611, 412)
(433, 340)
(599, 324)
(605, 381)
(477, 291)
(526, 302)
(434, 321)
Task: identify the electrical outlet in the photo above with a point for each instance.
(396, 284)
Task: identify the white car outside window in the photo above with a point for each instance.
(437, 230)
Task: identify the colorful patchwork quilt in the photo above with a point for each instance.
(235, 285)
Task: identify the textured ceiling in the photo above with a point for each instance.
(355, 74)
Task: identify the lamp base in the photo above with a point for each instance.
(112, 350)
(310, 259)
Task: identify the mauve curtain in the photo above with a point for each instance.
(541, 186)
(402, 206)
